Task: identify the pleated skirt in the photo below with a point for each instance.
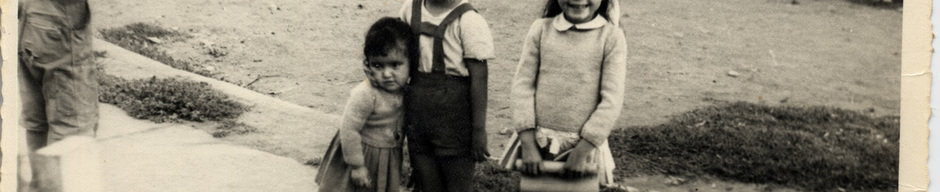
(384, 165)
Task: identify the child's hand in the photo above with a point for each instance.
(531, 159)
(370, 77)
(581, 161)
(360, 177)
(479, 151)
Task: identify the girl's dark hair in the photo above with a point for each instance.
(388, 34)
(552, 9)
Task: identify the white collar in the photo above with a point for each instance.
(562, 24)
(424, 10)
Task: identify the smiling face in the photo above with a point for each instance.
(390, 71)
(579, 11)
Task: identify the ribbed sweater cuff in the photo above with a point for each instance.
(594, 139)
(519, 127)
(356, 160)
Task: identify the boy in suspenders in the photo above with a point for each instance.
(446, 100)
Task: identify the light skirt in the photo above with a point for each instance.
(560, 143)
(384, 165)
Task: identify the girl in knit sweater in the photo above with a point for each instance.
(366, 154)
(568, 88)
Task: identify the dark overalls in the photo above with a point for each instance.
(438, 120)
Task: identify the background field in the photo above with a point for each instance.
(682, 52)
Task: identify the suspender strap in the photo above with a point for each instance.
(456, 13)
(438, 59)
(416, 16)
(436, 31)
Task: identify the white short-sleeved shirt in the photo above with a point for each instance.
(467, 37)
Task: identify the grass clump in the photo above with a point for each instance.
(232, 127)
(489, 176)
(142, 38)
(807, 148)
(161, 100)
(813, 148)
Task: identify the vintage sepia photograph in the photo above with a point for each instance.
(457, 95)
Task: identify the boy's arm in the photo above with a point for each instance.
(477, 43)
(478, 99)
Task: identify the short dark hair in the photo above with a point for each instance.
(552, 9)
(388, 34)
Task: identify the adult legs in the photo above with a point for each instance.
(73, 110)
(58, 102)
(58, 95)
(33, 111)
(33, 106)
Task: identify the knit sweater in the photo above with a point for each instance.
(372, 117)
(570, 79)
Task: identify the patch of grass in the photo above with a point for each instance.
(613, 189)
(139, 38)
(143, 30)
(232, 127)
(813, 148)
(809, 148)
(170, 99)
(489, 176)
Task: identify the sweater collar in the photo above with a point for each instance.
(424, 10)
(562, 24)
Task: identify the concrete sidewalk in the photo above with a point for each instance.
(139, 155)
(286, 129)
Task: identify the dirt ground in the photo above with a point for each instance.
(683, 54)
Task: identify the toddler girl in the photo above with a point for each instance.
(366, 154)
(568, 88)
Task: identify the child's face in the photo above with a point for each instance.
(579, 11)
(389, 72)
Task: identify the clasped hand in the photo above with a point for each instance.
(580, 162)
